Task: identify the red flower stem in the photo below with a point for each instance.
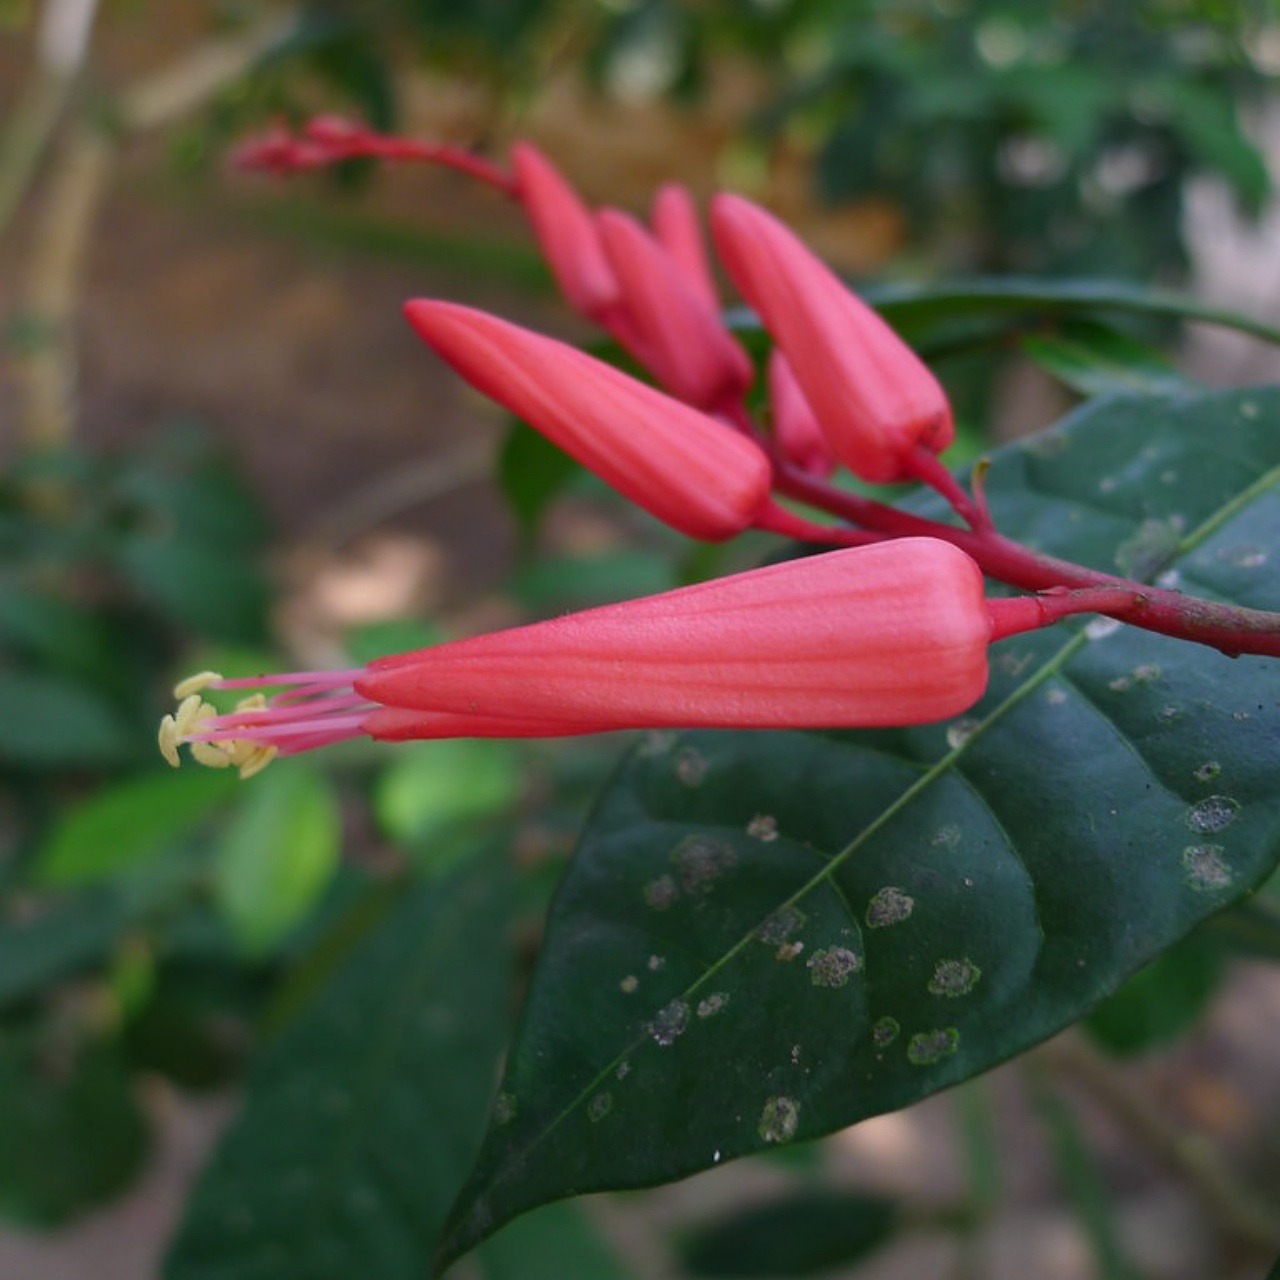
(331, 142)
(1229, 628)
(775, 519)
(923, 463)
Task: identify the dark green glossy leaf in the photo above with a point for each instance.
(801, 1235)
(71, 1134)
(126, 825)
(1274, 1273)
(362, 1116)
(767, 937)
(1098, 360)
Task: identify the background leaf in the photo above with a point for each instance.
(47, 722)
(1097, 360)
(278, 853)
(361, 1117)
(800, 1235)
(71, 1133)
(767, 937)
(126, 825)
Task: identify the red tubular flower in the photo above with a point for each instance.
(692, 472)
(688, 348)
(794, 427)
(674, 219)
(567, 234)
(874, 399)
(890, 634)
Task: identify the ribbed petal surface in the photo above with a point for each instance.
(873, 397)
(566, 233)
(890, 634)
(690, 350)
(692, 472)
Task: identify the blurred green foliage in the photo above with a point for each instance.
(1012, 135)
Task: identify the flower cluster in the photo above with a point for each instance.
(881, 632)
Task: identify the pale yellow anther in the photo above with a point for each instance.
(168, 741)
(254, 702)
(188, 713)
(196, 683)
(207, 753)
(261, 757)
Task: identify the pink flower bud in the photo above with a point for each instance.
(687, 346)
(894, 633)
(874, 399)
(674, 219)
(566, 233)
(890, 634)
(794, 426)
(692, 472)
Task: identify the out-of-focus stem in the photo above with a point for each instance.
(63, 227)
(1234, 1206)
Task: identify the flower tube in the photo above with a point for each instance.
(689, 349)
(674, 218)
(890, 634)
(795, 429)
(692, 472)
(873, 397)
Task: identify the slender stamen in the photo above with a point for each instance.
(312, 709)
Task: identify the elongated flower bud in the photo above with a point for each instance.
(674, 219)
(794, 426)
(689, 349)
(567, 234)
(894, 633)
(692, 472)
(890, 634)
(874, 399)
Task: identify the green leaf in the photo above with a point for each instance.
(1082, 1181)
(1097, 360)
(532, 471)
(361, 1118)
(556, 1243)
(62, 941)
(799, 1235)
(432, 788)
(126, 825)
(767, 937)
(1026, 301)
(1164, 1000)
(1274, 1273)
(278, 854)
(71, 1134)
(47, 722)
(577, 582)
(201, 585)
